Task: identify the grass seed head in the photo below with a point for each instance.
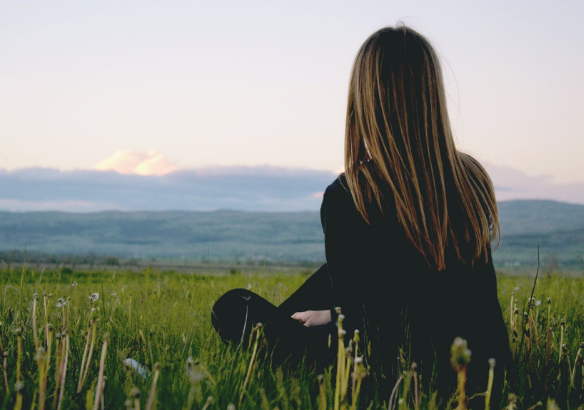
(460, 354)
(565, 349)
(40, 353)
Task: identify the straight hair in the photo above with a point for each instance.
(399, 147)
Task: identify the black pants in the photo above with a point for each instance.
(235, 314)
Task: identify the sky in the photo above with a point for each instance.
(155, 87)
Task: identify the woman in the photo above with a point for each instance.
(408, 232)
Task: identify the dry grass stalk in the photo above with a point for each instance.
(136, 394)
(547, 348)
(64, 369)
(490, 383)
(322, 393)
(460, 357)
(208, 403)
(100, 381)
(34, 324)
(153, 388)
(255, 331)
(340, 358)
(91, 332)
(58, 366)
(40, 359)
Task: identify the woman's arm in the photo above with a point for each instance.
(346, 255)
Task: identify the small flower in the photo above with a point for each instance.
(61, 303)
(74, 284)
(192, 373)
(248, 286)
(94, 297)
(40, 353)
(460, 354)
(113, 294)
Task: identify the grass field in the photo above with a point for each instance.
(54, 345)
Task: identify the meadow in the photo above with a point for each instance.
(115, 340)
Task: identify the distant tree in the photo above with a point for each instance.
(551, 262)
(112, 261)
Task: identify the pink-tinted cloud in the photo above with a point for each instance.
(19, 205)
(137, 162)
(511, 184)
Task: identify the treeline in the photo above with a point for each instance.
(19, 257)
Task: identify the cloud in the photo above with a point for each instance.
(16, 205)
(238, 188)
(512, 184)
(259, 188)
(137, 162)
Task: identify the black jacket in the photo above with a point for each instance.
(387, 291)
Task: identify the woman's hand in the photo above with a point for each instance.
(312, 318)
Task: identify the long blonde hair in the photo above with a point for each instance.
(399, 147)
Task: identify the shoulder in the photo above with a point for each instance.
(339, 189)
(338, 208)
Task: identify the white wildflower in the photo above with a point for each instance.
(192, 372)
(138, 367)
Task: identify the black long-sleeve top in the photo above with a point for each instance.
(387, 291)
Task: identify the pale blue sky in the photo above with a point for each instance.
(265, 82)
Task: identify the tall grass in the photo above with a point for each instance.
(67, 347)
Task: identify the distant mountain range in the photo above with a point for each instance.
(277, 236)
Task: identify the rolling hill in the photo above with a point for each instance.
(282, 236)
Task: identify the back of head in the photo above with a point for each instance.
(399, 147)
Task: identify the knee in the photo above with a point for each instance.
(236, 312)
